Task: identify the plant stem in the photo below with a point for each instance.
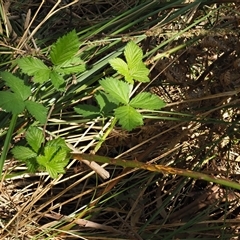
(7, 142)
(158, 168)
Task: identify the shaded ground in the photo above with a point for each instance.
(198, 130)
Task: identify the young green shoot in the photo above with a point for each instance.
(117, 98)
(51, 157)
(15, 100)
(63, 58)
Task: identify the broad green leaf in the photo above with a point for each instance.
(57, 80)
(120, 66)
(23, 153)
(16, 84)
(34, 67)
(52, 172)
(42, 160)
(54, 160)
(74, 65)
(128, 117)
(129, 78)
(49, 152)
(117, 89)
(35, 138)
(42, 76)
(59, 142)
(11, 102)
(101, 98)
(133, 54)
(32, 165)
(148, 101)
(37, 110)
(64, 48)
(140, 73)
(87, 110)
(55, 168)
(105, 102)
(61, 157)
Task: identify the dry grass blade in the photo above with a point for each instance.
(192, 48)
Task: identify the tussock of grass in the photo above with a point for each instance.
(193, 52)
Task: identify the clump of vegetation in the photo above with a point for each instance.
(121, 121)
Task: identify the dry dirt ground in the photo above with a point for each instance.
(198, 130)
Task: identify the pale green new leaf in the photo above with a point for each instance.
(57, 80)
(121, 67)
(87, 110)
(35, 138)
(140, 73)
(117, 89)
(129, 78)
(64, 48)
(23, 153)
(147, 100)
(11, 102)
(16, 84)
(133, 54)
(37, 110)
(32, 66)
(128, 117)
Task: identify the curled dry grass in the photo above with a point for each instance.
(198, 130)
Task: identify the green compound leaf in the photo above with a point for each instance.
(23, 153)
(37, 110)
(34, 67)
(59, 142)
(32, 165)
(133, 54)
(122, 68)
(11, 102)
(87, 110)
(74, 65)
(128, 117)
(140, 73)
(148, 101)
(54, 160)
(105, 102)
(16, 84)
(35, 138)
(119, 90)
(64, 48)
(41, 77)
(54, 169)
(57, 80)
(134, 69)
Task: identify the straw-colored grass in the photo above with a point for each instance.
(193, 52)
